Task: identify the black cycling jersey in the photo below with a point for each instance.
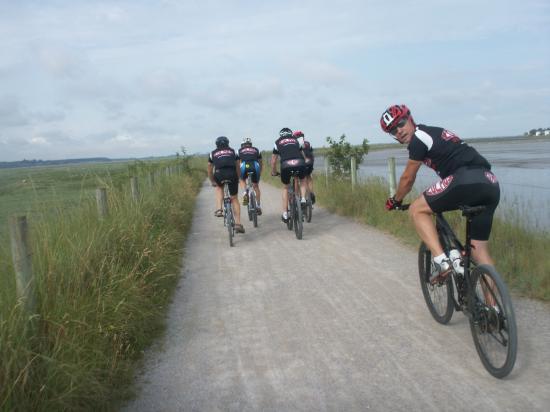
(287, 148)
(308, 152)
(224, 157)
(249, 153)
(443, 151)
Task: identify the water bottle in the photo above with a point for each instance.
(456, 259)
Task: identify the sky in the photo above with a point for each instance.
(138, 78)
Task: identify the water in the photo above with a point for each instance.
(522, 168)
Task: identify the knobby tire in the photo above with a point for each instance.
(494, 332)
(298, 219)
(438, 297)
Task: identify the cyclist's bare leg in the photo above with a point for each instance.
(219, 197)
(310, 184)
(303, 188)
(236, 209)
(242, 184)
(285, 198)
(480, 253)
(422, 216)
(257, 191)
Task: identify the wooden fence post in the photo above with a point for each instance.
(101, 199)
(353, 161)
(21, 254)
(391, 175)
(135, 188)
(326, 171)
(151, 179)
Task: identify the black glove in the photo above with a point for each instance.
(392, 204)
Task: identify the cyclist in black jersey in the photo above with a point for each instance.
(307, 149)
(289, 150)
(466, 180)
(250, 160)
(223, 164)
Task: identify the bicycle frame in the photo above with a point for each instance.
(228, 218)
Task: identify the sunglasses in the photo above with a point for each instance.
(399, 125)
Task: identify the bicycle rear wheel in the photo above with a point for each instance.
(290, 211)
(230, 223)
(438, 297)
(493, 322)
(253, 210)
(298, 219)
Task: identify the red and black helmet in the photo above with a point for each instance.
(298, 133)
(392, 115)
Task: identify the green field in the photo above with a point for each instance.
(26, 190)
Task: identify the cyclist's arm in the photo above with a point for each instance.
(407, 179)
(211, 172)
(274, 163)
(238, 167)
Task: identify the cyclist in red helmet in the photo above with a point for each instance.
(466, 179)
(307, 149)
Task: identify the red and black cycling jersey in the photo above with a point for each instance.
(288, 148)
(224, 157)
(443, 151)
(249, 154)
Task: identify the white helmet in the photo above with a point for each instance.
(246, 140)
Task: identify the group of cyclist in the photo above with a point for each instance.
(296, 156)
(466, 178)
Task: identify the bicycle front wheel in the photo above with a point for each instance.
(309, 210)
(438, 297)
(298, 219)
(493, 322)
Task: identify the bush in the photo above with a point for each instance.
(340, 152)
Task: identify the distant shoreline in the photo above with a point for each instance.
(372, 147)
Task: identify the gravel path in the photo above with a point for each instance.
(334, 322)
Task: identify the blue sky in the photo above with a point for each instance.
(140, 78)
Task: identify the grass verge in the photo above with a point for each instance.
(102, 291)
(521, 254)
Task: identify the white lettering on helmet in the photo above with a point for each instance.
(387, 118)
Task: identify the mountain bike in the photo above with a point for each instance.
(294, 209)
(252, 203)
(476, 290)
(295, 214)
(228, 218)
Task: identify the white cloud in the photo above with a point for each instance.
(39, 140)
(126, 78)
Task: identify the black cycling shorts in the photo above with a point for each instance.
(292, 165)
(309, 169)
(227, 173)
(467, 187)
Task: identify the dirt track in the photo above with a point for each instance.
(335, 321)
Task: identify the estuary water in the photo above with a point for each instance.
(521, 166)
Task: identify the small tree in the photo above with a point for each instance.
(340, 153)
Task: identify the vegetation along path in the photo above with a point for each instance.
(335, 321)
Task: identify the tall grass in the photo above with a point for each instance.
(102, 289)
(521, 254)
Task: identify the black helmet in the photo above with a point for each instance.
(222, 141)
(285, 132)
